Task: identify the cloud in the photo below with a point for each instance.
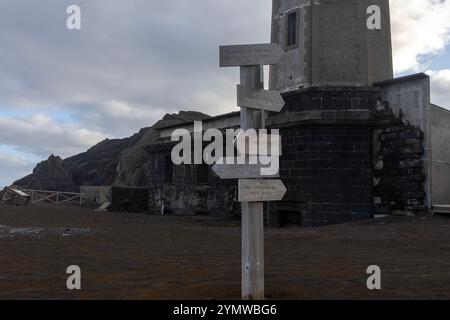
(133, 61)
(148, 57)
(9, 161)
(116, 118)
(440, 84)
(12, 167)
(420, 29)
(41, 135)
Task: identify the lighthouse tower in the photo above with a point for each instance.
(329, 43)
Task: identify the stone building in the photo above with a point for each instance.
(356, 142)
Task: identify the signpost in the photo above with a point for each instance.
(256, 190)
(250, 55)
(253, 100)
(259, 99)
(239, 171)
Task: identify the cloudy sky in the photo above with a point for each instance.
(133, 61)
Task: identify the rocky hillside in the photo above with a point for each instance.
(117, 161)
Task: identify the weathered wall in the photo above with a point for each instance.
(185, 195)
(378, 44)
(129, 199)
(335, 47)
(399, 170)
(409, 99)
(95, 196)
(440, 146)
(123, 199)
(347, 154)
(293, 70)
(230, 120)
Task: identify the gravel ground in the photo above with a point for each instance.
(127, 256)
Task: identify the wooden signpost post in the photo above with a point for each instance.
(261, 190)
(252, 193)
(250, 55)
(234, 171)
(259, 99)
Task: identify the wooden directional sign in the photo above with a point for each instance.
(240, 171)
(259, 99)
(262, 147)
(251, 54)
(258, 190)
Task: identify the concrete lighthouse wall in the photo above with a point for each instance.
(334, 46)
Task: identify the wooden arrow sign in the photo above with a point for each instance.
(259, 99)
(250, 54)
(260, 190)
(240, 171)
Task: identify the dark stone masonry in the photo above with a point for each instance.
(399, 171)
(127, 199)
(327, 171)
(346, 158)
(188, 189)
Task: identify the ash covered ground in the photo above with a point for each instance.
(126, 256)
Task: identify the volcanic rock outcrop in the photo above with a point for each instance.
(110, 162)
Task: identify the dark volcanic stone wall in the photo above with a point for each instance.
(345, 98)
(327, 160)
(346, 157)
(399, 171)
(128, 199)
(328, 173)
(185, 194)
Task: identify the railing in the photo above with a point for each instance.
(55, 197)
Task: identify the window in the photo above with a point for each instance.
(292, 30)
(168, 169)
(202, 174)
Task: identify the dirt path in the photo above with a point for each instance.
(125, 256)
